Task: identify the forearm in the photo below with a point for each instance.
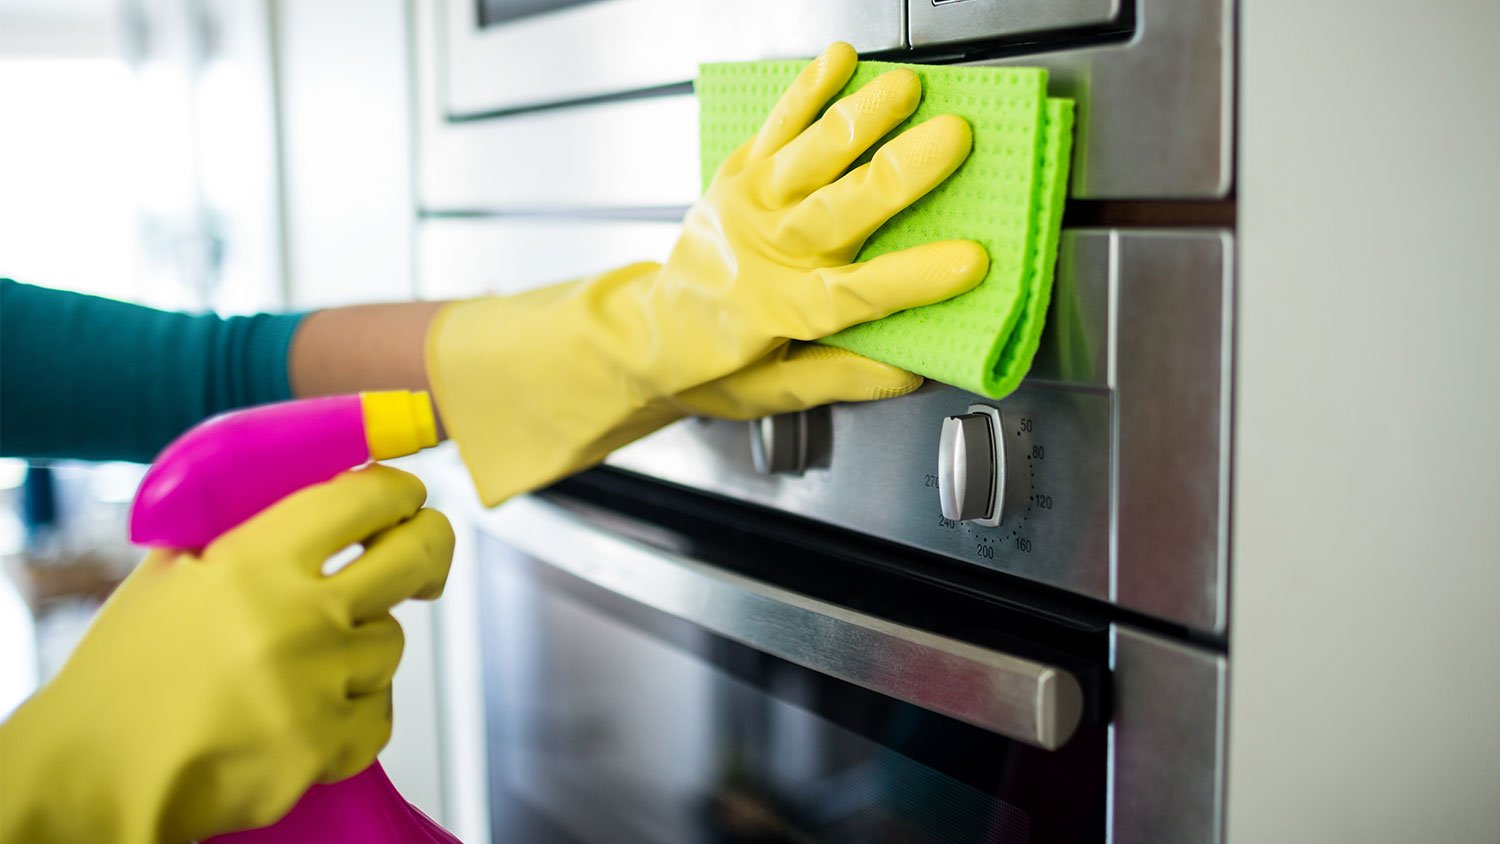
(89, 378)
(361, 347)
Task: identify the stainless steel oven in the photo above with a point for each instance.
(657, 672)
(771, 632)
(655, 581)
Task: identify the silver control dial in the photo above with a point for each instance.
(971, 467)
(778, 444)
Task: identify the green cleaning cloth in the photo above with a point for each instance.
(1008, 196)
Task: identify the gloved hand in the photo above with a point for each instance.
(538, 385)
(212, 690)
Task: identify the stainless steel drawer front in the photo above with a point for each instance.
(1018, 698)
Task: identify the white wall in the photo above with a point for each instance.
(346, 146)
(344, 106)
(1365, 646)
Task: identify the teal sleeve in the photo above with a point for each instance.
(95, 379)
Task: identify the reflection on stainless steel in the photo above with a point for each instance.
(1018, 698)
(623, 45)
(1075, 348)
(947, 22)
(1167, 753)
(1155, 114)
(1171, 377)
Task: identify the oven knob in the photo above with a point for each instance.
(778, 444)
(971, 467)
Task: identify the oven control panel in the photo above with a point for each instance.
(1104, 474)
(1022, 513)
(1019, 485)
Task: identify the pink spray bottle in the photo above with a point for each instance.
(231, 467)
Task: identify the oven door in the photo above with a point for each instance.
(637, 691)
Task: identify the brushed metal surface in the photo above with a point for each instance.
(614, 46)
(1025, 700)
(1075, 348)
(1167, 741)
(1155, 114)
(933, 22)
(1154, 121)
(1171, 378)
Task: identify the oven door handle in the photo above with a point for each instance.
(1018, 698)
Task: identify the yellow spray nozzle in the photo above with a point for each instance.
(398, 422)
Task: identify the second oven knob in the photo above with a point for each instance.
(971, 467)
(778, 444)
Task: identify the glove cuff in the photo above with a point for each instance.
(529, 388)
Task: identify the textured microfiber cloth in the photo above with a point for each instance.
(1008, 196)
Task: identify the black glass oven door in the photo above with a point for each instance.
(610, 720)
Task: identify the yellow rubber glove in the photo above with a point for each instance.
(211, 691)
(536, 386)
